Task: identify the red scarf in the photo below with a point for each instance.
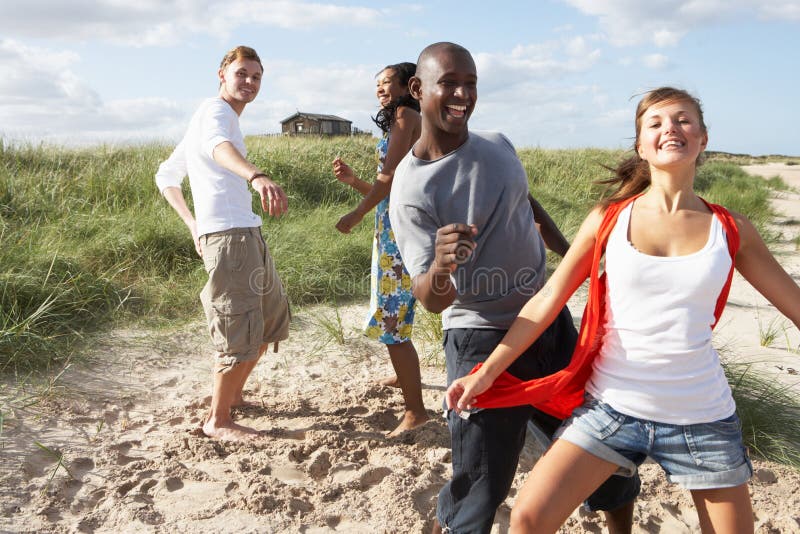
(561, 392)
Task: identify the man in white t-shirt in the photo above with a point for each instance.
(244, 300)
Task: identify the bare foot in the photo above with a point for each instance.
(411, 420)
(241, 403)
(390, 381)
(230, 432)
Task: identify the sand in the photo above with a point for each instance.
(132, 460)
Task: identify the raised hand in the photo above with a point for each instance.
(454, 245)
(343, 172)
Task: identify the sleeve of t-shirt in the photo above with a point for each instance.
(216, 127)
(415, 233)
(507, 143)
(172, 171)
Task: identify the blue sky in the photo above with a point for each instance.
(552, 73)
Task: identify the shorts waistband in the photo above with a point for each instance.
(252, 230)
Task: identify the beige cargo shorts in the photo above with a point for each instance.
(244, 300)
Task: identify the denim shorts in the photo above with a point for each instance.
(486, 445)
(698, 456)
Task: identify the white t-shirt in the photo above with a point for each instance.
(656, 360)
(222, 199)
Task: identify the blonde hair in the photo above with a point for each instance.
(240, 52)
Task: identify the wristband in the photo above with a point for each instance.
(256, 175)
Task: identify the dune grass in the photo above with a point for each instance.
(769, 412)
(88, 243)
(88, 240)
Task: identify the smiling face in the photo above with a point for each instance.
(671, 132)
(388, 87)
(446, 86)
(240, 82)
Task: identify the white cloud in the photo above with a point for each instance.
(42, 98)
(166, 22)
(665, 22)
(544, 114)
(289, 14)
(528, 80)
(655, 61)
(620, 117)
(780, 10)
(31, 75)
(540, 61)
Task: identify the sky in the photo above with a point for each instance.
(551, 73)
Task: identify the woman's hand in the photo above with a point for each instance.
(343, 172)
(462, 393)
(348, 222)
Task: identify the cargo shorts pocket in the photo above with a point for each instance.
(236, 327)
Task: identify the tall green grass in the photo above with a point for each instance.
(769, 412)
(87, 241)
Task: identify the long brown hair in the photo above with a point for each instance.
(632, 175)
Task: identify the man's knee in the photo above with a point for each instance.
(225, 364)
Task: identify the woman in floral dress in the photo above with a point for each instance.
(391, 314)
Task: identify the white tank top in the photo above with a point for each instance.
(656, 361)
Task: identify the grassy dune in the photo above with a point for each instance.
(89, 243)
(88, 240)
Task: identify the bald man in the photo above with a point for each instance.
(473, 240)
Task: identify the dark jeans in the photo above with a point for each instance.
(487, 445)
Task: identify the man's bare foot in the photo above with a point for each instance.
(241, 403)
(390, 381)
(411, 420)
(230, 432)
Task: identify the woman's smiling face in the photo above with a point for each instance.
(671, 132)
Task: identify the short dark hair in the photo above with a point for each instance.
(435, 48)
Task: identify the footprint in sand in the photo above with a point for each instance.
(175, 421)
(319, 465)
(289, 475)
(124, 488)
(147, 485)
(169, 484)
(372, 476)
(122, 449)
(344, 473)
(171, 383)
(78, 469)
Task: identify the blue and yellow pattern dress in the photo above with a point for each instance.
(391, 307)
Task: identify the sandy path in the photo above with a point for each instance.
(126, 426)
(752, 328)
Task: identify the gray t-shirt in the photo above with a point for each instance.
(482, 183)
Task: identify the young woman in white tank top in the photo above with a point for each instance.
(656, 387)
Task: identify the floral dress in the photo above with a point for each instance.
(391, 307)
